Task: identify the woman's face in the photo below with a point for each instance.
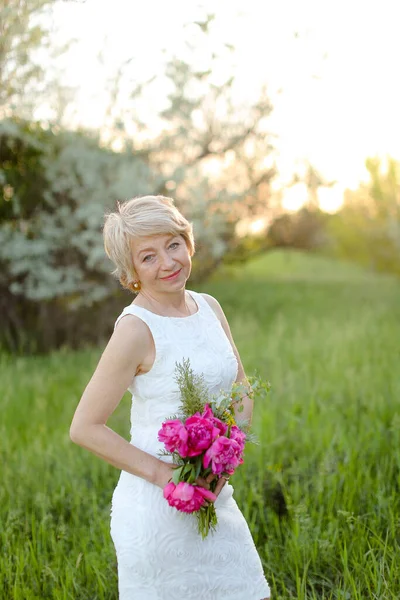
(158, 257)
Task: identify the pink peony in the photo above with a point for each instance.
(174, 435)
(208, 414)
(201, 434)
(239, 436)
(187, 498)
(224, 455)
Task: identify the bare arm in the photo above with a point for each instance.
(114, 373)
(241, 376)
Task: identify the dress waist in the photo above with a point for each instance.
(145, 438)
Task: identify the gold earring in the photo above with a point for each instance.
(136, 286)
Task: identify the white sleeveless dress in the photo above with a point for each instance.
(160, 554)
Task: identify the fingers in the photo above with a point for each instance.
(203, 482)
(206, 482)
(219, 486)
(221, 482)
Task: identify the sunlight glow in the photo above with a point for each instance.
(330, 199)
(257, 226)
(305, 53)
(251, 226)
(295, 197)
(212, 166)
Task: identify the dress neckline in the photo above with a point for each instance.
(198, 304)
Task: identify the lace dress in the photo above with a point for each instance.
(160, 554)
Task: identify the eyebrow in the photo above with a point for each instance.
(148, 249)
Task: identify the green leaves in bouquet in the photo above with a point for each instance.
(207, 520)
(220, 404)
(259, 387)
(191, 470)
(187, 470)
(194, 393)
(176, 476)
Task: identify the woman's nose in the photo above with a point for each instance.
(167, 262)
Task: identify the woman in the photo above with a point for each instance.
(160, 554)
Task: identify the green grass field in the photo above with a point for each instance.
(320, 492)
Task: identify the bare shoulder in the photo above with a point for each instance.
(215, 305)
(131, 328)
(217, 308)
(115, 371)
(128, 345)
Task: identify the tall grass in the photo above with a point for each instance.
(320, 493)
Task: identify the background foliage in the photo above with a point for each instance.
(57, 184)
(367, 229)
(211, 153)
(320, 493)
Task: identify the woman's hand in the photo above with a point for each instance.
(166, 471)
(221, 482)
(206, 483)
(164, 474)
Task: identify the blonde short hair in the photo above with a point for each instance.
(141, 216)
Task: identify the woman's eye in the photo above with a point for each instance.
(151, 255)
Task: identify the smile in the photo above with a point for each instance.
(173, 276)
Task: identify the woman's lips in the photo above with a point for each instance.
(172, 276)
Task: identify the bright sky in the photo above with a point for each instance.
(331, 67)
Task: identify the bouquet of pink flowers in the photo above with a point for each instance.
(204, 438)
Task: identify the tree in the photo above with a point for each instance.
(54, 275)
(24, 30)
(57, 186)
(367, 229)
(213, 151)
(313, 179)
(304, 230)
